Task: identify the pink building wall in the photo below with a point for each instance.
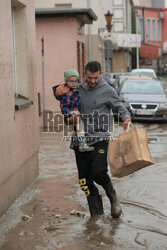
(60, 45)
(164, 26)
(19, 132)
(150, 49)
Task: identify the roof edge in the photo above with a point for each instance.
(148, 8)
(67, 12)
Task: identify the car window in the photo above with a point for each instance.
(141, 87)
(116, 76)
(150, 71)
(149, 74)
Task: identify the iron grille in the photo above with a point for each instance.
(148, 106)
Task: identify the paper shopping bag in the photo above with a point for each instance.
(129, 153)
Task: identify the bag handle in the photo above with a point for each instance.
(128, 127)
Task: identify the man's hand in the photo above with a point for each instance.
(125, 123)
(70, 120)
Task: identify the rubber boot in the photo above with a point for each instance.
(83, 146)
(73, 143)
(95, 204)
(115, 206)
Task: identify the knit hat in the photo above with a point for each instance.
(70, 72)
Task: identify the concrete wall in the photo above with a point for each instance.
(60, 49)
(129, 17)
(19, 134)
(51, 3)
(120, 62)
(97, 50)
(158, 4)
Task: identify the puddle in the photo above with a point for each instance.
(142, 195)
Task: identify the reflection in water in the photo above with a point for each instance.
(100, 230)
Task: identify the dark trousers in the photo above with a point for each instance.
(92, 167)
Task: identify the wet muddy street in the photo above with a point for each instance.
(41, 218)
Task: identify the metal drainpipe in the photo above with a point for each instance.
(137, 48)
(144, 26)
(126, 30)
(127, 13)
(89, 34)
(43, 80)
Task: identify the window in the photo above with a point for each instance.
(20, 53)
(141, 29)
(63, 6)
(118, 2)
(148, 29)
(154, 31)
(118, 26)
(159, 30)
(119, 13)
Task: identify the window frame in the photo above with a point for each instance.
(19, 28)
(154, 30)
(20, 48)
(141, 21)
(14, 48)
(149, 29)
(159, 33)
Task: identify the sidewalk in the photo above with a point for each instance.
(45, 221)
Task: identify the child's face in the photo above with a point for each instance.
(72, 82)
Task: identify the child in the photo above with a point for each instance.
(69, 98)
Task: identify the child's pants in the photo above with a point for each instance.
(79, 126)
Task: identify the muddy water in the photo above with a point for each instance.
(48, 203)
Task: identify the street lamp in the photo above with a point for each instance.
(108, 17)
(108, 27)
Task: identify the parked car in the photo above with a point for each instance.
(121, 78)
(145, 72)
(145, 98)
(109, 80)
(113, 78)
(115, 75)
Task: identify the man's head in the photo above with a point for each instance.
(92, 73)
(71, 77)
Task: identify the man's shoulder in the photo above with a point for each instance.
(108, 87)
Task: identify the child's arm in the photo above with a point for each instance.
(60, 90)
(64, 105)
(54, 90)
(76, 100)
